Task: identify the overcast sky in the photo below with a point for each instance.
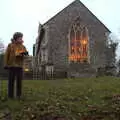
(24, 16)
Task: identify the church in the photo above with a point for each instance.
(71, 44)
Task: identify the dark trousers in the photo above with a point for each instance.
(15, 72)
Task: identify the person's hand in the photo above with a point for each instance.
(6, 67)
(24, 53)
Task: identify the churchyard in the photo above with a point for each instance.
(64, 99)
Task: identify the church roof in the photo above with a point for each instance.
(76, 2)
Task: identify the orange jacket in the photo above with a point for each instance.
(13, 58)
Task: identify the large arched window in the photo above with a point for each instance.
(78, 43)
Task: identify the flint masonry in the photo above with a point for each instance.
(72, 43)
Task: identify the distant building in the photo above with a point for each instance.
(28, 64)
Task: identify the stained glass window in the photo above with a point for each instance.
(78, 44)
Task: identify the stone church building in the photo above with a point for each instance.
(72, 43)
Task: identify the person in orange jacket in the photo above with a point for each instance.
(14, 59)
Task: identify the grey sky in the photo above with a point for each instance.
(24, 16)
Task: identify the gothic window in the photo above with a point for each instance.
(44, 55)
(45, 38)
(78, 44)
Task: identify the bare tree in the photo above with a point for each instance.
(111, 48)
(112, 45)
(2, 47)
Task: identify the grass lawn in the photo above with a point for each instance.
(69, 99)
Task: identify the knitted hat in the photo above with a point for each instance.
(17, 35)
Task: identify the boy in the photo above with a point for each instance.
(14, 58)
